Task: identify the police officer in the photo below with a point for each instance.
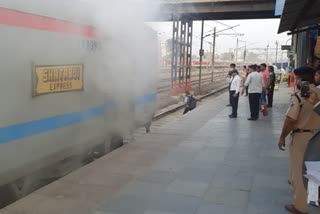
(301, 121)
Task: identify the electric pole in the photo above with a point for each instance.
(245, 53)
(201, 52)
(277, 52)
(281, 59)
(237, 50)
(267, 56)
(213, 51)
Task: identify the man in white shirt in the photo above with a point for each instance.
(256, 86)
(235, 84)
(229, 79)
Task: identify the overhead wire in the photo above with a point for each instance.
(199, 36)
(221, 23)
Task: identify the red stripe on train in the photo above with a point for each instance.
(27, 20)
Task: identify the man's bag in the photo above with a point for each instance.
(192, 102)
(264, 110)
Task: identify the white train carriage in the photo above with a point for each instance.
(64, 88)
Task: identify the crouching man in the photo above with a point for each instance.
(190, 102)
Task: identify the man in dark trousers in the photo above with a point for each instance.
(233, 68)
(234, 93)
(271, 86)
(256, 86)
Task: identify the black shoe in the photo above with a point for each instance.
(253, 119)
(232, 116)
(228, 105)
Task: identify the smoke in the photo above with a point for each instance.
(121, 28)
(126, 62)
(128, 58)
(124, 16)
(122, 69)
(121, 31)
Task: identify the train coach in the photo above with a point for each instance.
(66, 93)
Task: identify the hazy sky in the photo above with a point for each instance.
(261, 32)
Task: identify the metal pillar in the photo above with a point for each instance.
(189, 51)
(213, 50)
(301, 49)
(181, 52)
(174, 60)
(201, 56)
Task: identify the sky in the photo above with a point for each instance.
(258, 33)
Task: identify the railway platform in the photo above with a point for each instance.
(200, 163)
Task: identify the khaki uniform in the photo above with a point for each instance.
(306, 119)
(243, 75)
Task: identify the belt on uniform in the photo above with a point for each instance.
(302, 130)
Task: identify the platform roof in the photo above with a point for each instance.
(217, 9)
(299, 14)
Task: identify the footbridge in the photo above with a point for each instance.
(216, 9)
(183, 12)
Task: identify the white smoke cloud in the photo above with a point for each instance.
(122, 26)
(129, 57)
(127, 60)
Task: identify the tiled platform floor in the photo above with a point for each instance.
(201, 163)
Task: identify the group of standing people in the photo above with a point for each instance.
(302, 118)
(258, 83)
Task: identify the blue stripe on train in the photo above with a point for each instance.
(146, 99)
(28, 129)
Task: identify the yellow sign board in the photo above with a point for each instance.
(55, 79)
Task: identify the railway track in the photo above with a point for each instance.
(215, 75)
(164, 85)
